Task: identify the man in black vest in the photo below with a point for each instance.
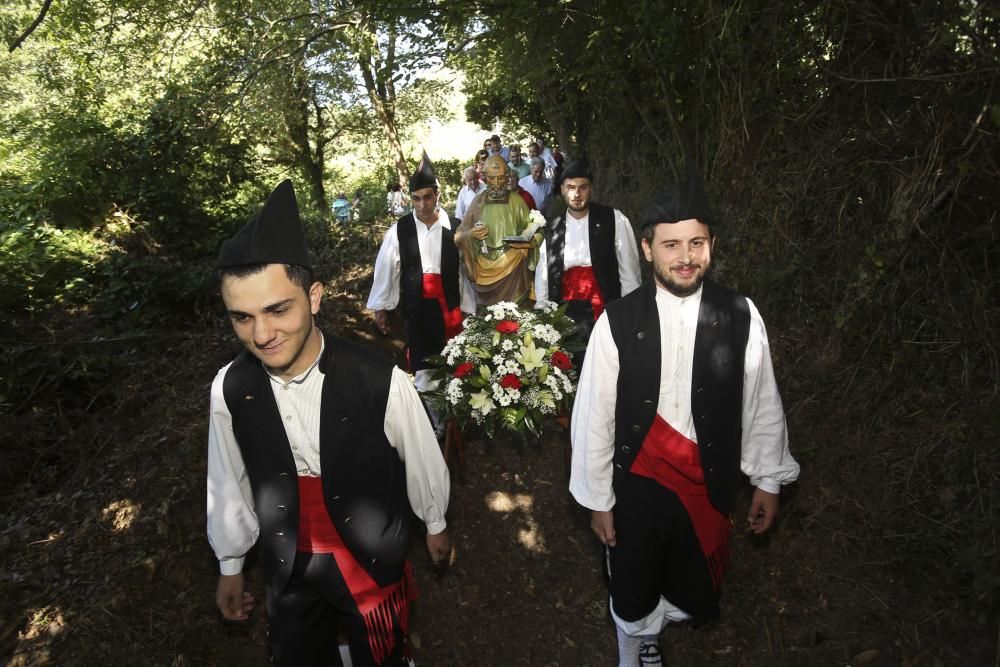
(318, 449)
(589, 257)
(676, 402)
(417, 268)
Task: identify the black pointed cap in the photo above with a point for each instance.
(578, 169)
(423, 177)
(682, 201)
(273, 236)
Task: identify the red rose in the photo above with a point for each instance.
(510, 381)
(464, 369)
(561, 360)
(507, 326)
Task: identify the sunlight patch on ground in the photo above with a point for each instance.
(120, 514)
(32, 644)
(530, 536)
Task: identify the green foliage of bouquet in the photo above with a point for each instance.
(508, 369)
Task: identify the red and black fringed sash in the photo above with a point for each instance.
(434, 289)
(580, 284)
(674, 462)
(378, 604)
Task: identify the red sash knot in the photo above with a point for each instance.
(580, 284)
(434, 289)
(674, 462)
(377, 604)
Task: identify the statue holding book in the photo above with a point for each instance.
(499, 239)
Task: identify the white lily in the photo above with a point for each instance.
(481, 401)
(531, 357)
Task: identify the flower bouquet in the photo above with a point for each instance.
(508, 369)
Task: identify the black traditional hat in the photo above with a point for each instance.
(423, 177)
(682, 201)
(273, 236)
(578, 169)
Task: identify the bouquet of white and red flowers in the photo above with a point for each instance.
(508, 369)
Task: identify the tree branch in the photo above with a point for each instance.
(31, 28)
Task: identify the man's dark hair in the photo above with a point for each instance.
(649, 230)
(299, 275)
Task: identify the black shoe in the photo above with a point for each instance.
(649, 654)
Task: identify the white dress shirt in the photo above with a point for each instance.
(765, 457)
(385, 285)
(465, 197)
(576, 252)
(540, 190)
(232, 521)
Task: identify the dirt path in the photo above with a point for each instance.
(105, 562)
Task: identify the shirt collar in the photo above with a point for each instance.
(669, 297)
(442, 219)
(304, 375)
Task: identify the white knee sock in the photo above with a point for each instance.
(628, 647)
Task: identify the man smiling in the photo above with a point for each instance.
(317, 451)
(677, 400)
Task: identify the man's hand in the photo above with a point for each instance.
(603, 524)
(382, 321)
(233, 601)
(763, 510)
(528, 245)
(439, 546)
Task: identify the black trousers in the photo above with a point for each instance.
(581, 312)
(306, 616)
(424, 333)
(657, 554)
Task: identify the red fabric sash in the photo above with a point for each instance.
(580, 284)
(377, 604)
(674, 462)
(434, 289)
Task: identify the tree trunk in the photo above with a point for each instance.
(308, 160)
(377, 73)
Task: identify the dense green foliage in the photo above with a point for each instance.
(851, 148)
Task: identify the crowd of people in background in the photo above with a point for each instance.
(534, 174)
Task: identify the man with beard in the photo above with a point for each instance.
(418, 265)
(318, 450)
(589, 257)
(677, 400)
(499, 270)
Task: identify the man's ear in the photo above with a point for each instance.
(315, 296)
(646, 250)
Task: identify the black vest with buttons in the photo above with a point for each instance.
(411, 270)
(601, 235)
(716, 383)
(364, 482)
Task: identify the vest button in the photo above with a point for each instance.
(699, 390)
(635, 428)
(708, 444)
(618, 465)
(640, 335)
(283, 475)
(625, 449)
(281, 560)
(281, 507)
(280, 533)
